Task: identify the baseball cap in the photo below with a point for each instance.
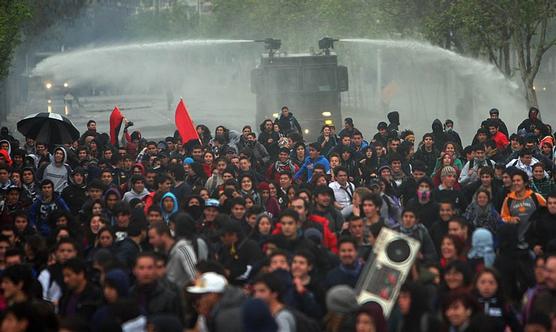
(78, 170)
(13, 187)
(209, 282)
(211, 202)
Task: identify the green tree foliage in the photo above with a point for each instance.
(48, 14)
(297, 22)
(488, 28)
(13, 14)
(529, 22)
(170, 23)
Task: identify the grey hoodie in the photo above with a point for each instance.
(59, 174)
(226, 316)
(129, 195)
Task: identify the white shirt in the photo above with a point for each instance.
(343, 195)
(526, 168)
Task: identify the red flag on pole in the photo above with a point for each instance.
(184, 124)
(116, 119)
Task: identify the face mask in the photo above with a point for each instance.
(424, 195)
(195, 211)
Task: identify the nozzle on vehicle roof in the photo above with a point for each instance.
(327, 43)
(271, 44)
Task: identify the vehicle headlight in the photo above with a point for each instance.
(48, 85)
(326, 114)
(66, 84)
(50, 101)
(275, 115)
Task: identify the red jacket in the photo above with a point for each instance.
(207, 169)
(329, 238)
(149, 201)
(501, 141)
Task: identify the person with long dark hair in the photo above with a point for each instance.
(415, 310)
(369, 164)
(204, 134)
(488, 293)
(105, 239)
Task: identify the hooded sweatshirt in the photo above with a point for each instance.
(530, 124)
(9, 145)
(522, 207)
(166, 215)
(129, 195)
(482, 246)
(109, 214)
(438, 135)
(394, 119)
(6, 155)
(59, 174)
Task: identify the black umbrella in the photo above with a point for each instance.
(49, 128)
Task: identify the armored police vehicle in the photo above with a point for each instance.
(310, 85)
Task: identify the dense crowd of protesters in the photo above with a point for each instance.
(260, 230)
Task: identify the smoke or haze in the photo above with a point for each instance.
(136, 66)
(212, 76)
(421, 81)
(424, 82)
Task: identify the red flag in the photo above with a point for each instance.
(184, 124)
(116, 119)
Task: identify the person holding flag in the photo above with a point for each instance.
(130, 142)
(185, 126)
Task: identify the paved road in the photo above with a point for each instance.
(150, 113)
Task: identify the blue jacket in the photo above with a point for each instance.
(39, 212)
(309, 165)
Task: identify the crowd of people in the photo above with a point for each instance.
(264, 230)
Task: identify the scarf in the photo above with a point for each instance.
(399, 175)
(284, 167)
(408, 231)
(352, 272)
(482, 216)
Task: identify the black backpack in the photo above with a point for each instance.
(489, 162)
(533, 197)
(303, 322)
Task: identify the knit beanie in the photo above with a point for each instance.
(341, 299)
(118, 280)
(447, 170)
(256, 317)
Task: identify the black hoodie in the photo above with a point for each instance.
(394, 119)
(530, 124)
(438, 135)
(75, 196)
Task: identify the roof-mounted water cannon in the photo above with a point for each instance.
(310, 84)
(271, 44)
(327, 43)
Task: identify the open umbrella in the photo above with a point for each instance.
(49, 128)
